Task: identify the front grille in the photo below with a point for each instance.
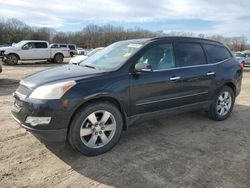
(23, 90)
(1, 53)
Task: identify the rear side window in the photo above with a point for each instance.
(216, 53)
(189, 54)
(72, 47)
(40, 45)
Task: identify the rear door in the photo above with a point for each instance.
(197, 76)
(42, 50)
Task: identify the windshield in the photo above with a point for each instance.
(113, 56)
(239, 55)
(19, 44)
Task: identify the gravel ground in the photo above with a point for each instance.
(187, 150)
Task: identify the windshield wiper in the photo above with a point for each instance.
(89, 66)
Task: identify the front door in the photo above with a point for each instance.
(159, 89)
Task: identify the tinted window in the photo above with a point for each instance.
(72, 47)
(63, 46)
(54, 46)
(40, 45)
(216, 53)
(159, 57)
(190, 54)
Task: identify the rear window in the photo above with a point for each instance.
(216, 53)
(72, 47)
(189, 54)
(40, 45)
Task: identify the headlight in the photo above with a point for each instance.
(52, 91)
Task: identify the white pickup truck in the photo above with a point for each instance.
(32, 50)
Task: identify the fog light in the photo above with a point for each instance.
(34, 121)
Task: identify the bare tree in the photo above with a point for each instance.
(92, 36)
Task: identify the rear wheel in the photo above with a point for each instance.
(96, 129)
(12, 59)
(222, 106)
(58, 58)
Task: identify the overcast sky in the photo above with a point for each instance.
(227, 17)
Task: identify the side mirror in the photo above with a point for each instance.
(143, 67)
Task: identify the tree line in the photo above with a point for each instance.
(91, 36)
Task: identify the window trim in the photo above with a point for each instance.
(193, 66)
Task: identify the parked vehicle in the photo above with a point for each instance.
(71, 47)
(129, 81)
(247, 57)
(240, 57)
(80, 51)
(32, 50)
(76, 60)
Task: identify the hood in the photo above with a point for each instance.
(66, 72)
(9, 48)
(78, 59)
(5, 48)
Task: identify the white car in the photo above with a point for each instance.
(76, 60)
(32, 50)
(80, 51)
(243, 57)
(247, 57)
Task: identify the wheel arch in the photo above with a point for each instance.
(12, 53)
(232, 86)
(58, 53)
(102, 98)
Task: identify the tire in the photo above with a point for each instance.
(12, 59)
(95, 132)
(58, 58)
(222, 105)
(71, 54)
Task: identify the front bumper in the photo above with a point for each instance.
(53, 135)
(55, 131)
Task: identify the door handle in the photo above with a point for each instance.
(210, 73)
(174, 78)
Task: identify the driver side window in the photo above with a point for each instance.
(160, 57)
(28, 45)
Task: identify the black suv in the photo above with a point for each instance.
(91, 103)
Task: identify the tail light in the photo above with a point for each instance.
(241, 65)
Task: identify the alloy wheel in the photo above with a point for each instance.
(224, 103)
(98, 129)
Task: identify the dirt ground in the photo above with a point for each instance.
(187, 150)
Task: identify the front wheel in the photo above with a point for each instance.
(222, 105)
(96, 129)
(12, 59)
